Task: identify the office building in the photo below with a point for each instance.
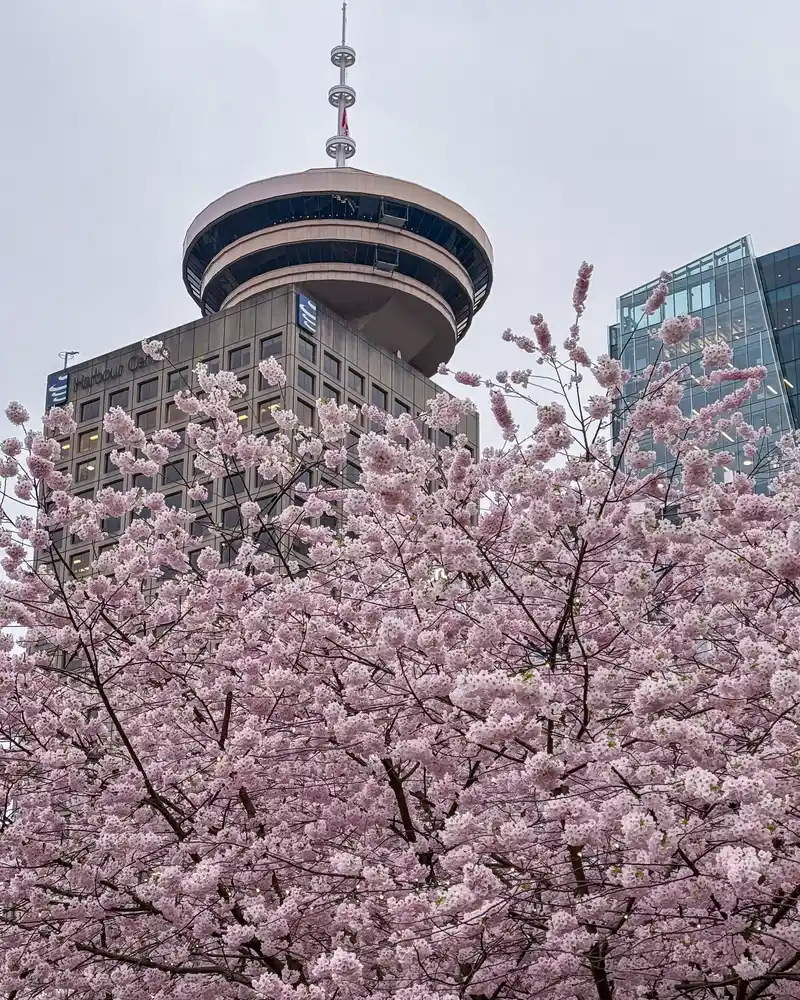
(752, 303)
(359, 283)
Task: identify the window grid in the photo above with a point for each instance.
(240, 357)
(147, 390)
(306, 381)
(90, 410)
(331, 365)
(271, 347)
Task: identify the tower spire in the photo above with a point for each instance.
(342, 96)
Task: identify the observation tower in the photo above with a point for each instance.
(405, 268)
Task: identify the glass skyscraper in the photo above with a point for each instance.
(751, 303)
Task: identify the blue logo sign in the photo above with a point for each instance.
(57, 389)
(306, 313)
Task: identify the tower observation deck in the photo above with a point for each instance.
(405, 267)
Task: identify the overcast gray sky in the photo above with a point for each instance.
(636, 134)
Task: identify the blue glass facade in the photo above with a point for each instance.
(780, 279)
(739, 300)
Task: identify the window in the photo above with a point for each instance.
(201, 527)
(141, 482)
(239, 357)
(271, 347)
(265, 412)
(231, 518)
(65, 447)
(116, 486)
(108, 465)
(172, 413)
(352, 472)
(174, 501)
(112, 524)
(147, 419)
(306, 381)
(444, 440)
(355, 381)
(306, 349)
(88, 441)
(228, 552)
(351, 441)
(193, 557)
(86, 471)
(148, 390)
(329, 521)
(379, 397)
(90, 410)
(305, 413)
(268, 504)
(329, 392)
(400, 408)
(212, 364)
(243, 419)
(234, 484)
(360, 416)
(301, 548)
(173, 472)
(79, 563)
(265, 541)
(178, 380)
(331, 365)
(122, 397)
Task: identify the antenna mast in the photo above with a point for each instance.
(342, 96)
(66, 355)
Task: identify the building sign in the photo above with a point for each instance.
(57, 389)
(306, 313)
(101, 375)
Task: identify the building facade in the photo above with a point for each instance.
(359, 283)
(745, 300)
(321, 355)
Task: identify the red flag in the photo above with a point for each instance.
(345, 127)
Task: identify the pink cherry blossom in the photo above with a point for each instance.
(502, 415)
(466, 378)
(608, 372)
(521, 724)
(658, 296)
(272, 372)
(581, 291)
(580, 356)
(155, 349)
(716, 355)
(17, 414)
(542, 332)
(677, 329)
(11, 447)
(60, 420)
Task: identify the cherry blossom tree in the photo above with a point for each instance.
(510, 727)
